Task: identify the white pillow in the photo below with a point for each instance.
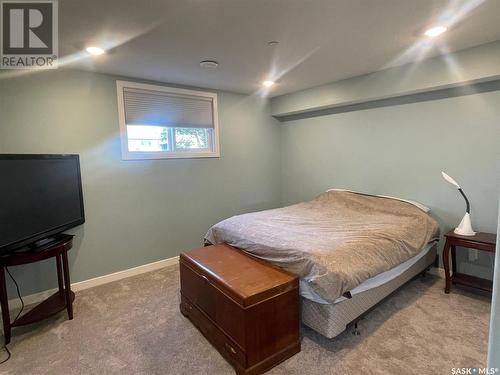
(419, 205)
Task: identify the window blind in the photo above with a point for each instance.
(157, 108)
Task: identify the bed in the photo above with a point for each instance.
(349, 249)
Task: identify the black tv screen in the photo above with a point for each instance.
(40, 195)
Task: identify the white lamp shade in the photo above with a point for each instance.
(450, 180)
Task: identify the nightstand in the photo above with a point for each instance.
(480, 241)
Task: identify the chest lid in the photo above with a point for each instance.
(243, 278)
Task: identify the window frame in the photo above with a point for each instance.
(175, 153)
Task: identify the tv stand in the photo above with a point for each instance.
(57, 247)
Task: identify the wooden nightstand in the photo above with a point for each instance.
(481, 241)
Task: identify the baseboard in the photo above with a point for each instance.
(86, 284)
(96, 281)
(439, 272)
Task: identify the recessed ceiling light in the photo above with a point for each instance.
(435, 31)
(209, 64)
(96, 51)
(268, 83)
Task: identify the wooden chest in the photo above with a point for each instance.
(247, 309)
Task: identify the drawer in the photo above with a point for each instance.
(226, 347)
(198, 290)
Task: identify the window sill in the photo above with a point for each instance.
(168, 155)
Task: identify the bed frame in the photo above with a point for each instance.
(333, 319)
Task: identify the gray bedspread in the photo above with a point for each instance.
(333, 242)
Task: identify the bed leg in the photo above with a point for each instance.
(355, 332)
(423, 274)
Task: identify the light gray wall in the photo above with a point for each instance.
(400, 150)
(494, 342)
(137, 211)
(142, 211)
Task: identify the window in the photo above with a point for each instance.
(158, 122)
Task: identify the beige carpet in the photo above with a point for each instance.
(134, 326)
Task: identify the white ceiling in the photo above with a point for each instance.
(320, 40)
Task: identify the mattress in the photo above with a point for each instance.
(332, 319)
(334, 242)
(307, 292)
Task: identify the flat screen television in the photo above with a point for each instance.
(40, 196)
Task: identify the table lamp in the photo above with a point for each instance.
(465, 226)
